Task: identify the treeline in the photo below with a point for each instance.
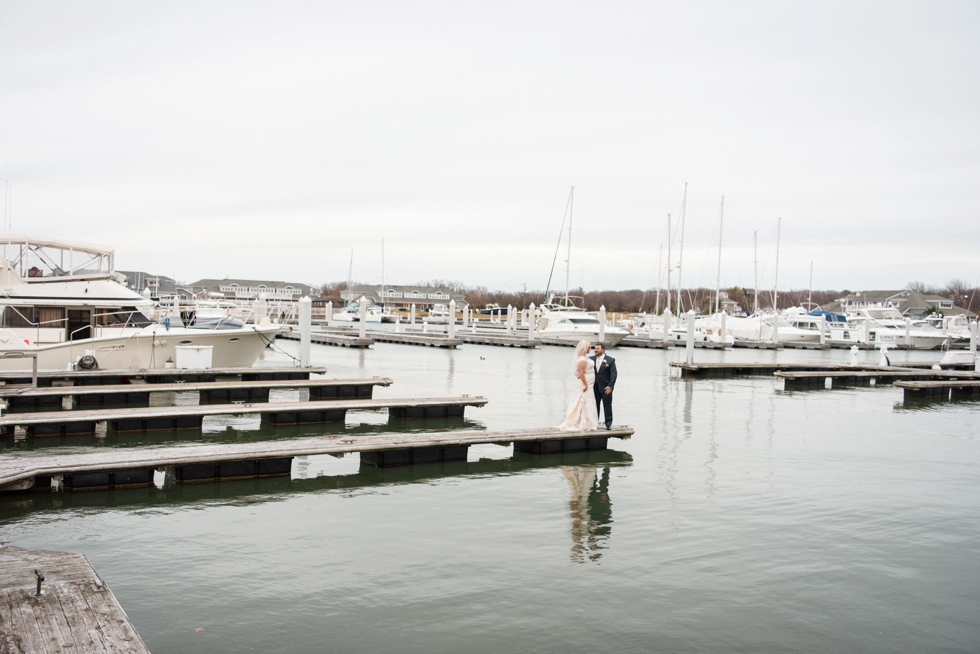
(702, 300)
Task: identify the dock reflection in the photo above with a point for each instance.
(274, 489)
(590, 509)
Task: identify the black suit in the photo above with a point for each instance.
(604, 376)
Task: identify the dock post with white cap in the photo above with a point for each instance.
(305, 320)
(690, 336)
(452, 319)
(667, 317)
(602, 324)
(362, 317)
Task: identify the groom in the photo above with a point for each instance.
(605, 381)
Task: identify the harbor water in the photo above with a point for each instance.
(740, 517)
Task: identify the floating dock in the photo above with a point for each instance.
(330, 338)
(718, 369)
(75, 612)
(156, 375)
(93, 396)
(426, 340)
(951, 389)
(500, 341)
(100, 421)
(130, 468)
(817, 379)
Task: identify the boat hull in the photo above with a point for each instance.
(149, 348)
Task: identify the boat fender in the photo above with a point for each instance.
(88, 362)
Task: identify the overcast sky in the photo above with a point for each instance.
(268, 139)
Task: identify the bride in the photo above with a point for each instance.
(582, 414)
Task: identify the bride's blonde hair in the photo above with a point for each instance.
(583, 349)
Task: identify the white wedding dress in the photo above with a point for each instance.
(582, 414)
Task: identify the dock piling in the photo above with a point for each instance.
(531, 323)
(305, 325)
(690, 337)
(452, 320)
(602, 324)
(362, 315)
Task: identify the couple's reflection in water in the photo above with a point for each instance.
(590, 510)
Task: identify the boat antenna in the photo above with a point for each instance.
(680, 256)
(721, 227)
(558, 245)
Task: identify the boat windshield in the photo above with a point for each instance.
(583, 321)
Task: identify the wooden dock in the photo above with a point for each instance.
(425, 340)
(817, 379)
(99, 421)
(156, 375)
(331, 338)
(498, 340)
(128, 467)
(949, 389)
(76, 611)
(138, 395)
(719, 369)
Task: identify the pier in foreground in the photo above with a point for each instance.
(74, 612)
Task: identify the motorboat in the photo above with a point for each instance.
(62, 300)
(439, 314)
(763, 327)
(887, 326)
(563, 318)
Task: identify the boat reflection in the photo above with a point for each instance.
(590, 509)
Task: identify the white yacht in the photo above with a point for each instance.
(563, 319)
(439, 314)
(761, 327)
(61, 300)
(888, 326)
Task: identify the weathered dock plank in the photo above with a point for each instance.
(735, 369)
(46, 397)
(427, 340)
(190, 417)
(25, 466)
(941, 390)
(335, 339)
(157, 375)
(498, 340)
(76, 611)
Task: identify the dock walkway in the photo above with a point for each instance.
(331, 338)
(59, 423)
(949, 389)
(138, 394)
(156, 375)
(128, 467)
(75, 613)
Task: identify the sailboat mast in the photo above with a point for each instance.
(568, 261)
(660, 262)
(680, 255)
(668, 262)
(350, 274)
(755, 262)
(775, 284)
(721, 227)
(809, 298)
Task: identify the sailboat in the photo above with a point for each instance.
(563, 317)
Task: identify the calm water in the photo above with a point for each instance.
(739, 518)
